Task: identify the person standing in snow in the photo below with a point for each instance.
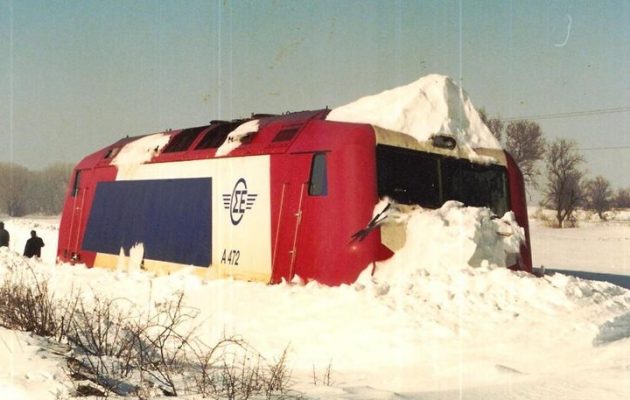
(4, 236)
(33, 246)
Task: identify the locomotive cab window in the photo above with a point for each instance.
(429, 180)
(408, 177)
(318, 182)
(475, 185)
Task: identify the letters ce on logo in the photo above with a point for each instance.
(239, 201)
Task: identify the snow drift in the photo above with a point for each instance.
(429, 319)
(434, 104)
(452, 236)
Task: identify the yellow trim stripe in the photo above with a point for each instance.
(220, 271)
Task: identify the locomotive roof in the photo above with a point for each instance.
(410, 116)
(143, 148)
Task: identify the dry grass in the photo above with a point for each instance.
(116, 351)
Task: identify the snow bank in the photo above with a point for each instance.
(430, 319)
(33, 372)
(614, 330)
(453, 236)
(594, 246)
(434, 104)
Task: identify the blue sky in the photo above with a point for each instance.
(78, 75)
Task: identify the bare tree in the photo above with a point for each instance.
(495, 125)
(564, 191)
(49, 188)
(599, 196)
(622, 198)
(15, 181)
(524, 141)
(23, 191)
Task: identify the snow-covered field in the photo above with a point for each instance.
(605, 249)
(425, 326)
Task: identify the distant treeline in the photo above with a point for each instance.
(24, 192)
(565, 184)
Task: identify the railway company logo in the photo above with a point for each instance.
(239, 201)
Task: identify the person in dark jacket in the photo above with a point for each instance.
(4, 236)
(33, 246)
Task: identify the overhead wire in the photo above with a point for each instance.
(572, 114)
(604, 148)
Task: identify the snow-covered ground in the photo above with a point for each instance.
(426, 325)
(605, 249)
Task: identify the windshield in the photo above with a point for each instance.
(429, 180)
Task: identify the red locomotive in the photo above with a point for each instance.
(284, 196)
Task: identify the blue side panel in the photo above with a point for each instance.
(171, 217)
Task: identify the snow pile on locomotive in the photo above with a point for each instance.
(434, 104)
(439, 242)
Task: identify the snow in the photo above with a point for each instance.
(605, 250)
(434, 104)
(28, 370)
(141, 150)
(234, 138)
(439, 320)
(138, 152)
(466, 236)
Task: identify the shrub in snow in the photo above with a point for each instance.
(27, 304)
(110, 347)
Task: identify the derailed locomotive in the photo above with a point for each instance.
(287, 198)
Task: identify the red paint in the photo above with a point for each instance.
(518, 204)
